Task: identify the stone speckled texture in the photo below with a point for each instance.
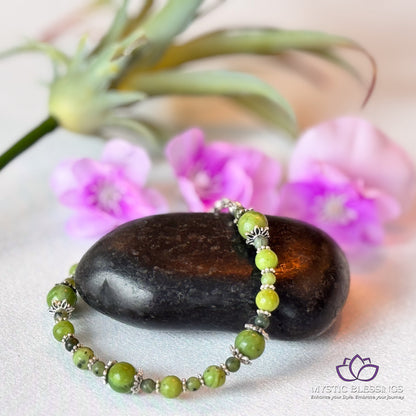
(194, 270)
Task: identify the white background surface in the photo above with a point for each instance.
(38, 376)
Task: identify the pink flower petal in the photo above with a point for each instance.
(63, 179)
(190, 195)
(358, 150)
(133, 160)
(184, 150)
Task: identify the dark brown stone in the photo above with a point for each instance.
(194, 270)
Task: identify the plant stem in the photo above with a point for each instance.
(26, 141)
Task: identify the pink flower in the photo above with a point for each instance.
(108, 192)
(349, 179)
(210, 172)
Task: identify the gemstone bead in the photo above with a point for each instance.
(148, 385)
(262, 321)
(98, 368)
(120, 377)
(249, 220)
(266, 259)
(232, 364)
(193, 383)
(214, 376)
(260, 241)
(59, 293)
(81, 357)
(267, 300)
(268, 279)
(73, 269)
(60, 315)
(70, 343)
(70, 282)
(250, 343)
(170, 387)
(61, 329)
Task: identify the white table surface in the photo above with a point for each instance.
(37, 375)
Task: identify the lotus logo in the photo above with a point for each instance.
(357, 368)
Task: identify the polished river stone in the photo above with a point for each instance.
(194, 270)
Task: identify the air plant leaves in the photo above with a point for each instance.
(139, 57)
(265, 42)
(227, 83)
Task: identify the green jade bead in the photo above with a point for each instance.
(61, 292)
(214, 376)
(232, 364)
(267, 300)
(250, 343)
(61, 329)
(268, 279)
(73, 269)
(170, 387)
(148, 385)
(249, 220)
(266, 259)
(98, 368)
(193, 383)
(120, 377)
(81, 357)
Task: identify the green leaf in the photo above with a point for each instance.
(268, 112)
(233, 84)
(161, 27)
(116, 28)
(266, 42)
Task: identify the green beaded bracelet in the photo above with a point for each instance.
(249, 343)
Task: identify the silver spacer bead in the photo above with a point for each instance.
(75, 347)
(91, 362)
(226, 370)
(138, 378)
(237, 354)
(262, 248)
(262, 287)
(201, 379)
(257, 329)
(107, 369)
(65, 337)
(61, 305)
(268, 270)
(184, 385)
(157, 388)
(256, 232)
(262, 312)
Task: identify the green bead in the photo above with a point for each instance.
(249, 220)
(232, 364)
(73, 269)
(70, 282)
(170, 387)
(121, 377)
(266, 259)
(214, 376)
(262, 321)
(61, 329)
(193, 383)
(98, 368)
(61, 292)
(148, 385)
(250, 343)
(260, 241)
(267, 300)
(81, 357)
(268, 279)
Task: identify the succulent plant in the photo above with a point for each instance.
(140, 57)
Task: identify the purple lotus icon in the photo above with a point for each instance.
(357, 368)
